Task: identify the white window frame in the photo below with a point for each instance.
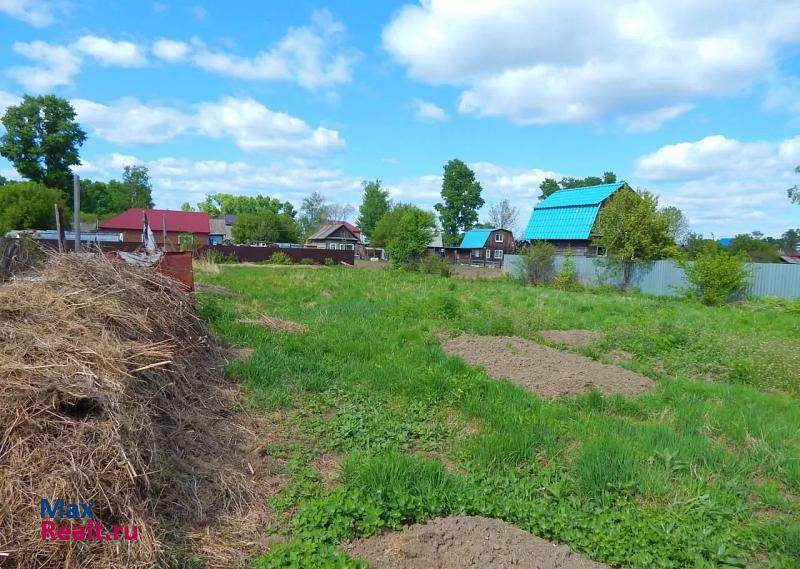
(498, 253)
(498, 237)
(477, 253)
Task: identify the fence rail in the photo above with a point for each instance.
(666, 278)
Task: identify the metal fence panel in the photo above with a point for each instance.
(666, 278)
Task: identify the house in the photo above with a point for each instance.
(221, 230)
(566, 218)
(336, 235)
(483, 246)
(187, 227)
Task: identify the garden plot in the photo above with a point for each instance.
(573, 338)
(465, 542)
(548, 372)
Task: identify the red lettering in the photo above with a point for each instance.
(64, 533)
(134, 534)
(78, 533)
(48, 529)
(97, 527)
(117, 531)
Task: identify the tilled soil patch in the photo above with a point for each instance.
(465, 542)
(548, 372)
(574, 338)
(277, 324)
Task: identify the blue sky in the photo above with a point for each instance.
(698, 102)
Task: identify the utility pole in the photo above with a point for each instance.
(76, 204)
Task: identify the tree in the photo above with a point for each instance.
(536, 263)
(186, 206)
(716, 276)
(794, 191)
(550, 186)
(42, 139)
(631, 230)
(790, 241)
(677, 224)
(374, 205)
(503, 215)
(28, 205)
(405, 233)
(136, 185)
(266, 226)
(219, 204)
(339, 212)
(313, 211)
(461, 194)
(755, 248)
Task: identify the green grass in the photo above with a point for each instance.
(703, 471)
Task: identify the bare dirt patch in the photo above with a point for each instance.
(465, 542)
(574, 338)
(327, 465)
(277, 324)
(618, 356)
(548, 372)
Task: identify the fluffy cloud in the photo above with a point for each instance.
(170, 50)
(59, 64)
(545, 61)
(177, 180)
(6, 100)
(37, 13)
(725, 185)
(426, 111)
(108, 52)
(311, 56)
(252, 126)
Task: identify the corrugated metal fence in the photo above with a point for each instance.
(665, 278)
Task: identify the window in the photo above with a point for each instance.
(331, 245)
(476, 253)
(348, 246)
(601, 252)
(498, 237)
(498, 253)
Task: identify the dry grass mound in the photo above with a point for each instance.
(461, 542)
(548, 372)
(277, 324)
(112, 395)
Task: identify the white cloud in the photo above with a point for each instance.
(57, 66)
(177, 180)
(199, 13)
(428, 112)
(6, 100)
(37, 13)
(109, 52)
(170, 50)
(310, 56)
(651, 121)
(251, 125)
(545, 61)
(725, 185)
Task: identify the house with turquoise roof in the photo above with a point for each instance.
(484, 246)
(566, 218)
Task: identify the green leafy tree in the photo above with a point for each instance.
(677, 224)
(461, 196)
(186, 206)
(405, 233)
(313, 211)
(790, 241)
(220, 204)
(550, 186)
(794, 191)
(716, 276)
(631, 230)
(42, 140)
(29, 205)
(374, 205)
(136, 184)
(265, 226)
(755, 248)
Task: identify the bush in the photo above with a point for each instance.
(566, 278)
(306, 261)
(280, 258)
(716, 277)
(434, 265)
(537, 263)
(329, 262)
(212, 256)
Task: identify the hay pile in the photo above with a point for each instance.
(111, 393)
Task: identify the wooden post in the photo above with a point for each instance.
(76, 204)
(60, 227)
(164, 230)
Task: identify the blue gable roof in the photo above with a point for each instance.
(475, 238)
(568, 214)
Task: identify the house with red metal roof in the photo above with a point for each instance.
(182, 227)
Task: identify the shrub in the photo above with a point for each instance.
(434, 265)
(537, 263)
(280, 258)
(212, 256)
(329, 262)
(306, 261)
(716, 277)
(566, 277)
